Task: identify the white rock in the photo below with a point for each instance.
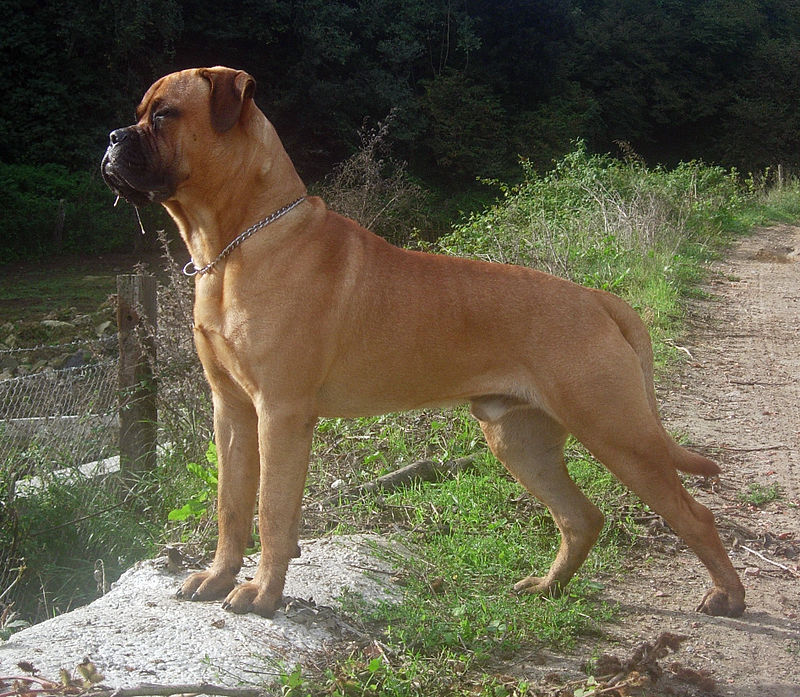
(139, 632)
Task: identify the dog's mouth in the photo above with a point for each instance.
(129, 177)
(123, 189)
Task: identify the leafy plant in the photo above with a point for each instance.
(206, 477)
(761, 494)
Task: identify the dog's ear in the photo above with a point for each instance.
(231, 92)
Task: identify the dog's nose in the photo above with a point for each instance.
(116, 137)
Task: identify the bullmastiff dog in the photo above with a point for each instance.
(301, 313)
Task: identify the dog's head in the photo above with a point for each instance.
(182, 125)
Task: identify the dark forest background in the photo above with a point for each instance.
(474, 84)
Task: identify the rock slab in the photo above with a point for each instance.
(140, 633)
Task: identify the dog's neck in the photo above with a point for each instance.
(211, 214)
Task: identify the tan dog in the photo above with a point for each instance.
(314, 316)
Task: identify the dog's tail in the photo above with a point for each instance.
(636, 334)
(692, 463)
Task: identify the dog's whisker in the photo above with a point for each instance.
(139, 218)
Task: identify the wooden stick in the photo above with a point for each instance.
(50, 687)
(420, 471)
(769, 561)
(148, 690)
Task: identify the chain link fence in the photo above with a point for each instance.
(62, 417)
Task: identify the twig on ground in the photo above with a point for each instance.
(58, 689)
(147, 690)
(420, 471)
(769, 561)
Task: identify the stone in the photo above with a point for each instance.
(140, 633)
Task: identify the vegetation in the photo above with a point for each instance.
(761, 494)
(473, 86)
(640, 232)
(643, 232)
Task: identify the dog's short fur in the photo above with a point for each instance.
(314, 316)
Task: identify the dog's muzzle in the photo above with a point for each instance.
(128, 171)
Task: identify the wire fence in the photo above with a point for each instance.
(58, 417)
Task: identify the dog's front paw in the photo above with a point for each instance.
(207, 585)
(250, 597)
(719, 603)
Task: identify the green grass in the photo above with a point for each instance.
(38, 292)
(479, 534)
(647, 234)
(70, 528)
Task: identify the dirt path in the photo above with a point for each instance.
(738, 401)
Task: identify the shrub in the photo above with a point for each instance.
(608, 223)
(375, 190)
(47, 209)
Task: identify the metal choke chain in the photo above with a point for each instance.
(194, 271)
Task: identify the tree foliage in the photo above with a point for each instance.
(473, 85)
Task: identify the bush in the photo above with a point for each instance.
(608, 223)
(375, 190)
(47, 209)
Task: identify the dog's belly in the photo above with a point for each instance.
(372, 385)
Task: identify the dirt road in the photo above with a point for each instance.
(737, 401)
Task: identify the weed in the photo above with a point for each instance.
(639, 232)
(761, 494)
(206, 476)
(375, 190)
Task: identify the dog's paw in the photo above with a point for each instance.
(206, 585)
(538, 585)
(718, 603)
(250, 597)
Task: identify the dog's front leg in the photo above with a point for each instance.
(236, 429)
(285, 444)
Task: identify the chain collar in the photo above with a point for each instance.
(191, 269)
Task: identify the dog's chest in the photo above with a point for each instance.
(222, 341)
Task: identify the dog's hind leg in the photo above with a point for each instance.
(648, 469)
(609, 411)
(531, 446)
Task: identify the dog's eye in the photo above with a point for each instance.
(158, 117)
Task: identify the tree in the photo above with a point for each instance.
(69, 73)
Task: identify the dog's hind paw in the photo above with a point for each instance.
(719, 603)
(538, 585)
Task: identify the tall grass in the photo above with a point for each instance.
(643, 233)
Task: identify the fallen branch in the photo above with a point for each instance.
(758, 382)
(769, 561)
(754, 450)
(715, 448)
(148, 690)
(420, 471)
(55, 689)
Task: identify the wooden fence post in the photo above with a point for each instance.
(137, 322)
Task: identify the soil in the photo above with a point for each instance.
(737, 400)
